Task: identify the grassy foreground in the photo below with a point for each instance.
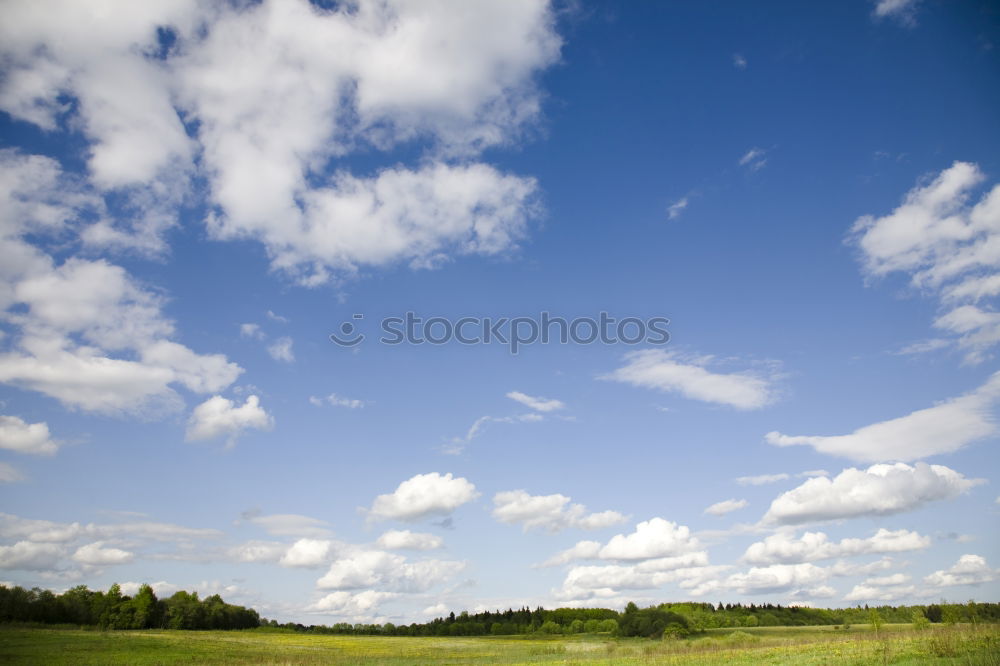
(771, 645)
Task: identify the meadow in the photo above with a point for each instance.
(895, 644)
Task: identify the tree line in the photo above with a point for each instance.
(678, 619)
(184, 610)
(114, 610)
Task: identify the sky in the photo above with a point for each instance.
(786, 214)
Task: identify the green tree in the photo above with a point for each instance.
(875, 620)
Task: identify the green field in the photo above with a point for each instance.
(896, 644)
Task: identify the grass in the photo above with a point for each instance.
(897, 644)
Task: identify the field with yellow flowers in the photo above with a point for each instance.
(899, 644)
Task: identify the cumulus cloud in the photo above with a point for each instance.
(784, 548)
(89, 336)
(585, 584)
(30, 556)
(943, 428)
(356, 605)
(582, 550)
(307, 553)
(671, 372)
(423, 495)
(800, 580)
(295, 88)
(651, 539)
(551, 513)
(726, 506)
(538, 404)
(17, 435)
(969, 570)
(387, 571)
(407, 540)
(220, 416)
(96, 554)
(879, 490)
(949, 247)
(258, 551)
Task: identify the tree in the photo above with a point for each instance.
(145, 609)
(550, 627)
(920, 621)
(875, 620)
(934, 613)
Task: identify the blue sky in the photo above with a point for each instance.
(194, 198)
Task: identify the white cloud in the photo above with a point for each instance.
(17, 435)
(739, 62)
(389, 571)
(15, 527)
(726, 506)
(161, 589)
(865, 592)
(276, 317)
(615, 584)
(761, 479)
(88, 335)
(538, 404)
(307, 553)
(258, 551)
(219, 416)
(949, 248)
(407, 540)
(675, 209)
(292, 87)
(458, 444)
(902, 10)
(551, 513)
(754, 159)
(281, 350)
(651, 539)
(356, 605)
(436, 610)
(9, 474)
(251, 331)
(877, 491)
(30, 555)
(671, 372)
(288, 524)
(845, 569)
(943, 428)
(338, 401)
(796, 579)
(324, 84)
(582, 550)
(783, 548)
(423, 495)
(95, 554)
(969, 570)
